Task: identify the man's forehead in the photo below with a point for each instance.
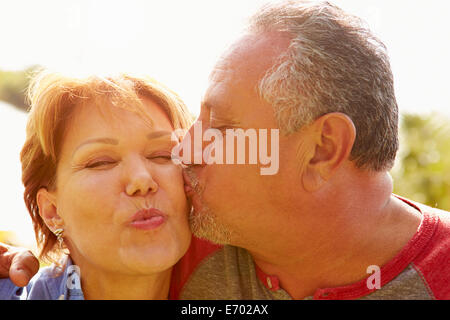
(252, 54)
(246, 61)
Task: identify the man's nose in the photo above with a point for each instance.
(139, 178)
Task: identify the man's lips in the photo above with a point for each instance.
(148, 219)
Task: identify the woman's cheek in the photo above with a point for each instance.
(93, 192)
(99, 181)
(171, 181)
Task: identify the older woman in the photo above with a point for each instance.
(101, 187)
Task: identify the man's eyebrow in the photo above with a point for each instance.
(226, 117)
(206, 104)
(210, 105)
(97, 140)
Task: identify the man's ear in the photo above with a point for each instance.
(333, 135)
(46, 202)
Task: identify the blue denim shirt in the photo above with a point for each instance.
(47, 284)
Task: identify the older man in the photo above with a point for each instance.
(328, 217)
(326, 225)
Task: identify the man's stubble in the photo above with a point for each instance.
(203, 222)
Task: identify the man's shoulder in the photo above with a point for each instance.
(228, 273)
(217, 272)
(199, 251)
(433, 262)
(439, 243)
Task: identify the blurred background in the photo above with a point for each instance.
(177, 42)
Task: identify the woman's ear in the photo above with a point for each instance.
(46, 202)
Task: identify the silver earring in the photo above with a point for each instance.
(59, 236)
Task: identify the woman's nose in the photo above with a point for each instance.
(139, 178)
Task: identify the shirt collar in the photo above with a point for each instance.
(270, 282)
(70, 285)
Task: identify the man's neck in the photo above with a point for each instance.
(340, 241)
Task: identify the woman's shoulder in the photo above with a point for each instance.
(50, 283)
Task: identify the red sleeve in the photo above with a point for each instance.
(198, 251)
(433, 263)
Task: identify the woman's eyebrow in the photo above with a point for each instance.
(97, 140)
(150, 136)
(159, 134)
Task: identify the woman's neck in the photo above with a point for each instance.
(99, 284)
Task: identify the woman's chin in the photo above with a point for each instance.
(147, 268)
(151, 259)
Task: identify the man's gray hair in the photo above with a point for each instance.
(334, 64)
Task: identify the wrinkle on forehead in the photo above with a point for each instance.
(232, 91)
(251, 56)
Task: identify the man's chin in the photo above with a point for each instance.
(204, 225)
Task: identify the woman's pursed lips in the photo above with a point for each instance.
(148, 219)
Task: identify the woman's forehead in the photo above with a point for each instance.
(95, 119)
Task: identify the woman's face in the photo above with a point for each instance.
(118, 194)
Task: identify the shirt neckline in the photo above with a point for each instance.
(389, 271)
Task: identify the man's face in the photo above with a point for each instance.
(234, 203)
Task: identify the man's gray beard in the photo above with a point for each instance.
(204, 225)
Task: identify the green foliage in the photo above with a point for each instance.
(422, 172)
(13, 86)
(7, 237)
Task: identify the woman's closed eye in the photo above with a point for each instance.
(161, 158)
(97, 164)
